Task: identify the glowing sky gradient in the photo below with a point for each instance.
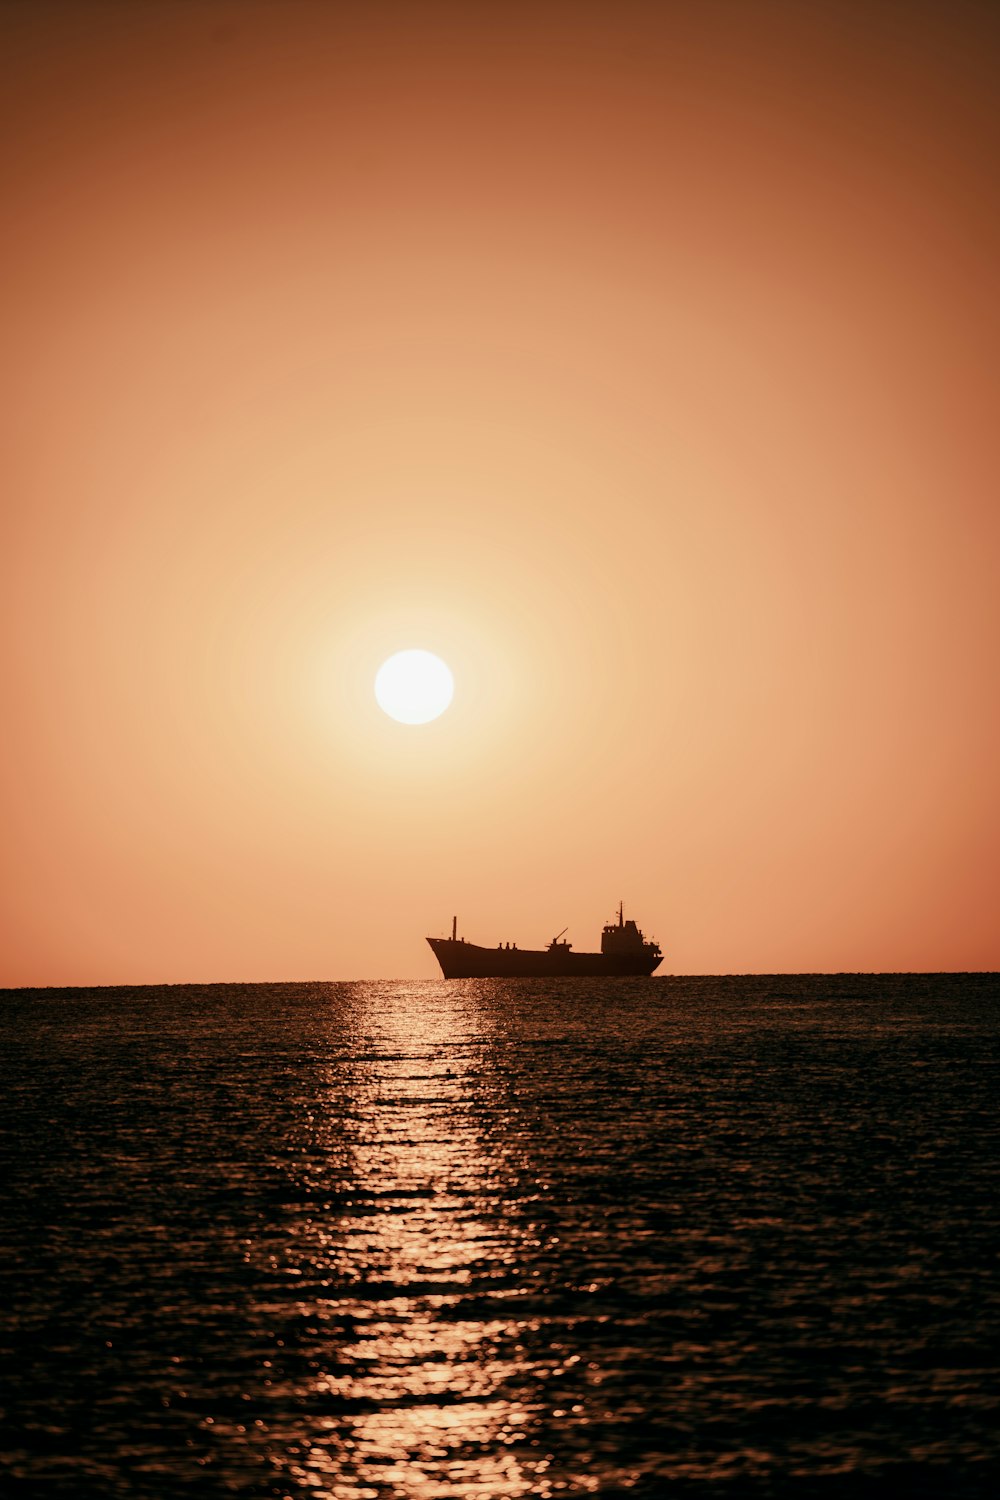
(640, 360)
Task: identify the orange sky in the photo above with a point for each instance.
(638, 359)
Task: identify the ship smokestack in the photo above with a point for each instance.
(454, 928)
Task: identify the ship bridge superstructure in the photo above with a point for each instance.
(624, 937)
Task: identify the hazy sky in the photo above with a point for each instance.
(640, 360)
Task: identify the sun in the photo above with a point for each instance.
(414, 686)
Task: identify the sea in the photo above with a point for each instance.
(707, 1237)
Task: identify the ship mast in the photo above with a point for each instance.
(621, 914)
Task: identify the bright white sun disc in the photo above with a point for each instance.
(414, 686)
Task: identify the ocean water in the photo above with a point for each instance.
(707, 1237)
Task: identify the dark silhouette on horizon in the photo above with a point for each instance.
(625, 953)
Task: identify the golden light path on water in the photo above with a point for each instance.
(427, 1375)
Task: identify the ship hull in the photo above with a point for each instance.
(460, 960)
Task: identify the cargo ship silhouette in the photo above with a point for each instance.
(624, 952)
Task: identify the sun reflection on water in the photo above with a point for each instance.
(421, 1383)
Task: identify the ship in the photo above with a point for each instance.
(624, 953)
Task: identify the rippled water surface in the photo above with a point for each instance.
(491, 1239)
